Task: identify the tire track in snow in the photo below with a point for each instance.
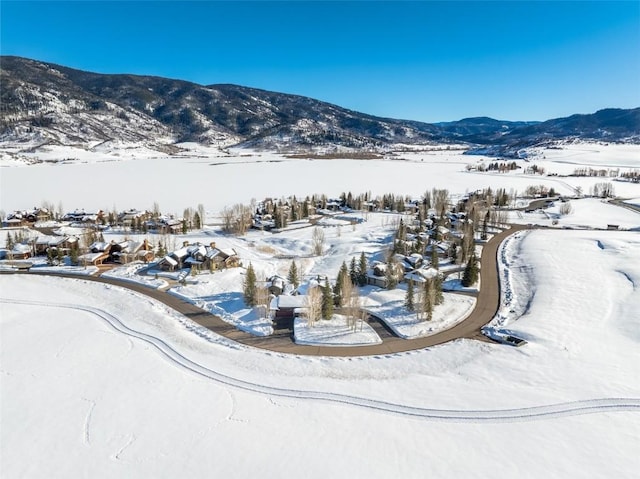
(87, 422)
(550, 411)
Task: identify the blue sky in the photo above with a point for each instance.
(427, 61)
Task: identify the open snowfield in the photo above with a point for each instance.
(199, 177)
(585, 213)
(592, 154)
(336, 332)
(80, 397)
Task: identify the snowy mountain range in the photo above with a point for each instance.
(43, 104)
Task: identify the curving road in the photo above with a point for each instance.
(549, 411)
(485, 309)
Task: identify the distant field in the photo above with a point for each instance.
(176, 183)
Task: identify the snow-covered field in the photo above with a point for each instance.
(585, 213)
(197, 177)
(82, 397)
(97, 381)
(335, 332)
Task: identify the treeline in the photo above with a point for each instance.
(612, 173)
(501, 167)
(633, 176)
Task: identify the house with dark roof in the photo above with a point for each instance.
(284, 309)
(200, 257)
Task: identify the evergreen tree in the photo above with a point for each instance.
(9, 243)
(434, 256)
(390, 276)
(249, 286)
(470, 271)
(361, 275)
(292, 277)
(197, 222)
(353, 273)
(402, 231)
(277, 224)
(427, 301)
(408, 300)
(162, 252)
(184, 227)
(73, 254)
(50, 256)
(438, 296)
(485, 225)
(337, 289)
(453, 252)
(418, 246)
(327, 301)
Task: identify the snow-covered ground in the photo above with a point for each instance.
(245, 175)
(335, 332)
(585, 213)
(633, 201)
(595, 154)
(220, 293)
(390, 307)
(82, 396)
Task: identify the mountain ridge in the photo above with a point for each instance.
(43, 103)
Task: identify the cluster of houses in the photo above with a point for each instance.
(124, 252)
(412, 267)
(41, 245)
(199, 257)
(55, 246)
(132, 219)
(26, 217)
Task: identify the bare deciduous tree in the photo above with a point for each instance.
(314, 305)
(236, 219)
(318, 241)
(201, 212)
(351, 303)
(440, 200)
(227, 219)
(262, 297)
(155, 210)
(566, 208)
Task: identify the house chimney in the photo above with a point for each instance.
(213, 245)
(185, 243)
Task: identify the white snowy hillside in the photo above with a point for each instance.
(100, 382)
